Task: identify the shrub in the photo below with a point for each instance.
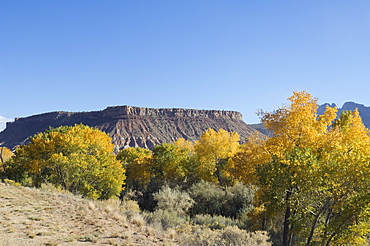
(238, 200)
(129, 208)
(214, 222)
(230, 236)
(165, 219)
(11, 182)
(231, 202)
(130, 205)
(144, 197)
(200, 237)
(171, 209)
(173, 200)
(207, 198)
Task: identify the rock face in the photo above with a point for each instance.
(131, 126)
(362, 109)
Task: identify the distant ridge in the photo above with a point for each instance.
(362, 109)
(131, 126)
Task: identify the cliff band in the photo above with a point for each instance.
(131, 126)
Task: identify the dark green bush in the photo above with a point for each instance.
(230, 202)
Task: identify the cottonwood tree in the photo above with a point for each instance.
(342, 216)
(5, 155)
(171, 164)
(137, 162)
(214, 150)
(312, 174)
(77, 158)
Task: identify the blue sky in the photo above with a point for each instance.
(228, 55)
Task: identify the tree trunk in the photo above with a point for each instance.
(290, 239)
(1, 154)
(286, 220)
(312, 229)
(316, 219)
(264, 219)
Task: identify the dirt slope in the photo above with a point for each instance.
(36, 217)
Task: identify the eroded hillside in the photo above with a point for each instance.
(131, 126)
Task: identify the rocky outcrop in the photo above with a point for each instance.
(362, 109)
(131, 126)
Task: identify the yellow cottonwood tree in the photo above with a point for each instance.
(185, 144)
(190, 161)
(214, 150)
(345, 168)
(311, 174)
(5, 154)
(77, 158)
(170, 163)
(137, 162)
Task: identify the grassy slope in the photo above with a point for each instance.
(41, 217)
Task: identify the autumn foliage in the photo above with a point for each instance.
(312, 174)
(307, 184)
(76, 158)
(5, 155)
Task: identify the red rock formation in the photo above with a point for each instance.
(131, 126)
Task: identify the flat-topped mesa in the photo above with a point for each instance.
(118, 111)
(131, 126)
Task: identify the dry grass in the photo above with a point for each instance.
(50, 217)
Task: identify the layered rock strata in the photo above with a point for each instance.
(131, 126)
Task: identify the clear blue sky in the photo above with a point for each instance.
(206, 54)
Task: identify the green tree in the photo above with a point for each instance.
(77, 158)
(170, 164)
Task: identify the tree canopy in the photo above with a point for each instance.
(214, 150)
(312, 174)
(137, 164)
(5, 155)
(77, 158)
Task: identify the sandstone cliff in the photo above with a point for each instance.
(131, 126)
